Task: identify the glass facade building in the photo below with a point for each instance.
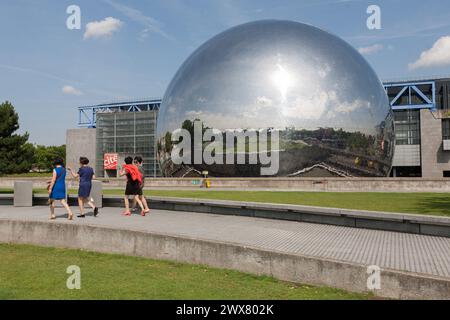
(127, 134)
(422, 127)
(407, 127)
(446, 129)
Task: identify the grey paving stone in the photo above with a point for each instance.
(390, 250)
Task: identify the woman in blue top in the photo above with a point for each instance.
(57, 188)
(85, 174)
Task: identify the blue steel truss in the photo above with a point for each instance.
(87, 116)
(407, 90)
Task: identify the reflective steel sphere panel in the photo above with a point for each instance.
(314, 90)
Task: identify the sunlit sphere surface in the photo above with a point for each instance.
(328, 104)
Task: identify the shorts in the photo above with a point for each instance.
(133, 188)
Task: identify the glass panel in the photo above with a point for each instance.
(407, 127)
(446, 129)
(131, 133)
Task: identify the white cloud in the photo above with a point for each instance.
(36, 72)
(371, 49)
(347, 107)
(252, 111)
(71, 91)
(438, 55)
(150, 24)
(264, 101)
(172, 109)
(311, 108)
(323, 103)
(324, 71)
(104, 28)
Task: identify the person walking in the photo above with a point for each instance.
(57, 189)
(133, 188)
(139, 162)
(85, 175)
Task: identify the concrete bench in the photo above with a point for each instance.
(97, 193)
(23, 194)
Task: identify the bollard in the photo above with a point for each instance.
(97, 193)
(23, 194)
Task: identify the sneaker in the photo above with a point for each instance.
(81, 216)
(95, 212)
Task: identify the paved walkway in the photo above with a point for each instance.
(391, 250)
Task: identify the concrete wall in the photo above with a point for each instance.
(80, 143)
(291, 184)
(287, 267)
(434, 159)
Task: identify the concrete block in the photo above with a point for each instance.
(435, 230)
(224, 211)
(23, 194)
(6, 200)
(81, 142)
(97, 193)
(277, 215)
(327, 219)
(388, 225)
(189, 207)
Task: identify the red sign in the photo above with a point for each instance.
(110, 161)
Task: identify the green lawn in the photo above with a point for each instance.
(437, 204)
(30, 175)
(28, 272)
(416, 203)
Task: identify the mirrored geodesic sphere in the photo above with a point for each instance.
(308, 96)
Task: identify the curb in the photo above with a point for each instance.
(385, 221)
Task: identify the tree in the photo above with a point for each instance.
(16, 153)
(44, 156)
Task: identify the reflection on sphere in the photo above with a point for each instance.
(319, 93)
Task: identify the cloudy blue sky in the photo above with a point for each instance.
(131, 49)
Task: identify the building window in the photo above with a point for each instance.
(445, 129)
(406, 172)
(407, 127)
(127, 134)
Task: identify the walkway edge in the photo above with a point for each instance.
(375, 220)
(387, 221)
(287, 267)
